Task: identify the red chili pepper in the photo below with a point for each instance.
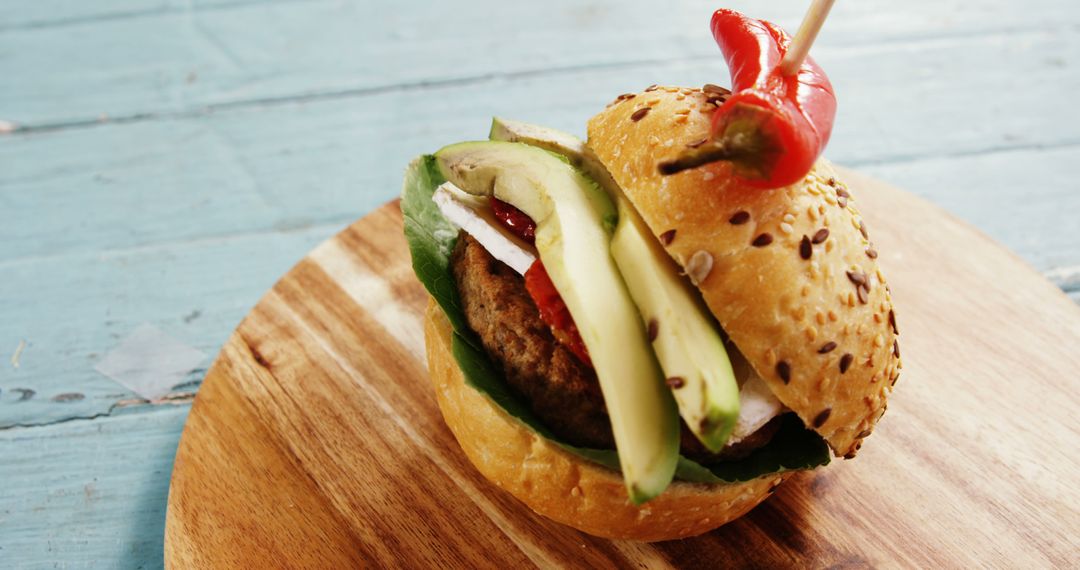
(519, 223)
(554, 312)
(774, 126)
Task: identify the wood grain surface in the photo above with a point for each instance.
(315, 440)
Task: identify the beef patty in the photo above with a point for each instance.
(562, 391)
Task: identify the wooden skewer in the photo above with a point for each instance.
(716, 150)
(804, 38)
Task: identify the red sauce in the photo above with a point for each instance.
(553, 311)
(513, 219)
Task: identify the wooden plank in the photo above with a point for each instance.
(71, 310)
(323, 378)
(290, 165)
(188, 60)
(87, 494)
(1022, 198)
(65, 13)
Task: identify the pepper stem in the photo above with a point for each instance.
(711, 151)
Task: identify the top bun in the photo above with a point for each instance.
(789, 273)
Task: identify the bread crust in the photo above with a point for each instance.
(561, 486)
(811, 312)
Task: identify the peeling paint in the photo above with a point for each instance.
(18, 354)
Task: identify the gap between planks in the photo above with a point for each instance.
(15, 128)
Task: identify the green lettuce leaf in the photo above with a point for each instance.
(431, 238)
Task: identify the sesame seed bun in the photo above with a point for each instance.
(790, 273)
(565, 487)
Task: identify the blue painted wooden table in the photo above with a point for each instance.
(163, 161)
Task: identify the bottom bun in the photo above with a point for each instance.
(564, 487)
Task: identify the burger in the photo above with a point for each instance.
(639, 355)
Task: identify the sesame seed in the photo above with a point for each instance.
(783, 370)
(829, 245)
(842, 193)
(653, 102)
(699, 266)
(832, 181)
(625, 97)
(680, 97)
(827, 347)
(863, 434)
(856, 277)
(789, 218)
(667, 237)
(697, 143)
(683, 112)
(675, 382)
(716, 89)
(820, 318)
(639, 114)
(652, 329)
(862, 230)
(651, 87)
(822, 417)
(786, 227)
(805, 249)
(820, 236)
(832, 315)
(879, 341)
(896, 347)
(845, 361)
(841, 201)
(892, 322)
(871, 253)
(762, 240)
(681, 119)
(863, 291)
(739, 218)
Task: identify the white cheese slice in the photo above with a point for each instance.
(757, 405)
(474, 215)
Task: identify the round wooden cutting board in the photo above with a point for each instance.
(316, 442)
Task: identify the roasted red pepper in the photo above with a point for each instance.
(553, 310)
(514, 220)
(774, 126)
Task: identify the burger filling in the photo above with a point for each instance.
(525, 327)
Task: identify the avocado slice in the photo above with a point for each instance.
(573, 242)
(687, 344)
